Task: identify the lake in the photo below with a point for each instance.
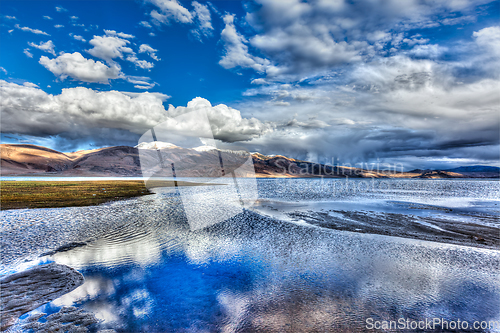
(310, 255)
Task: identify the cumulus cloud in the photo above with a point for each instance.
(58, 26)
(78, 67)
(61, 9)
(78, 37)
(160, 96)
(109, 47)
(394, 109)
(170, 10)
(30, 84)
(47, 17)
(489, 39)
(428, 51)
(308, 38)
(80, 112)
(204, 21)
(119, 34)
(29, 110)
(226, 123)
(46, 47)
(140, 63)
(259, 81)
(145, 48)
(236, 50)
(35, 31)
(112, 46)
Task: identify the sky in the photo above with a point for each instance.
(412, 82)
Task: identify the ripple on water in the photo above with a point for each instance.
(146, 270)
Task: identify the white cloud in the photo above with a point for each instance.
(170, 10)
(3, 70)
(28, 53)
(204, 21)
(152, 34)
(306, 50)
(226, 123)
(119, 34)
(415, 40)
(389, 108)
(112, 47)
(141, 82)
(309, 37)
(35, 31)
(29, 110)
(10, 17)
(236, 50)
(489, 39)
(74, 17)
(76, 66)
(109, 48)
(47, 17)
(145, 24)
(458, 20)
(145, 48)
(160, 96)
(430, 51)
(61, 9)
(78, 37)
(30, 84)
(58, 26)
(259, 81)
(140, 63)
(46, 47)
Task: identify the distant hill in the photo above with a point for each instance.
(31, 160)
(22, 159)
(476, 168)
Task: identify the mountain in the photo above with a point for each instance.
(476, 168)
(23, 159)
(35, 160)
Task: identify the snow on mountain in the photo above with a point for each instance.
(155, 145)
(205, 148)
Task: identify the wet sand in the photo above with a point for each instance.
(27, 290)
(435, 228)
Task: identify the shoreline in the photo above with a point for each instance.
(394, 224)
(21, 194)
(57, 194)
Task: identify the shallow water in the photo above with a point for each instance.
(146, 270)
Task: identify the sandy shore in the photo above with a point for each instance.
(476, 230)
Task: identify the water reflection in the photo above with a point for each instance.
(288, 280)
(148, 271)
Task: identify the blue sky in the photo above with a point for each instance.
(409, 81)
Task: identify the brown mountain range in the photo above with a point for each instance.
(23, 159)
